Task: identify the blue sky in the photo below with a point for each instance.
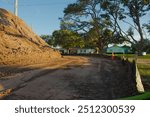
(41, 15)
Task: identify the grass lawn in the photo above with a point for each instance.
(144, 70)
(132, 56)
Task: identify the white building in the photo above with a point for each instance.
(85, 51)
(76, 51)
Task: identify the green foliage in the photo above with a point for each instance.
(143, 96)
(130, 31)
(136, 7)
(91, 39)
(147, 26)
(48, 39)
(67, 39)
(85, 16)
(145, 45)
(74, 8)
(45, 37)
(120, 10)
(99, 20)
(144, 70)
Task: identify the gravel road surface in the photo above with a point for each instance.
(70, 78)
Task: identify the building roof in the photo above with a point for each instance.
(118, 49)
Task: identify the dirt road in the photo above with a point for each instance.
(68, 78)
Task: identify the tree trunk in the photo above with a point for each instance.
(137, 22)
(100, 47)
(140, 45)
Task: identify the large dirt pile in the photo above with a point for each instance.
(19, 45)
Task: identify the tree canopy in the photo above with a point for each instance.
(48, 39)
(101, 20)
(67, 39)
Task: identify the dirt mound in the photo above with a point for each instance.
(18, 43)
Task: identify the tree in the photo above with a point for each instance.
(136, 10)
(120, 11)
(84, 16)
(147, 26)
(96, 18)
(67, 39)
(48, 39)
(146, 46)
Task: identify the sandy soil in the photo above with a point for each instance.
(67, 78)
(19, 44)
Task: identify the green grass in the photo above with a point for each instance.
(144, 96)
(132, 56)
(144, 57)
(144, 70)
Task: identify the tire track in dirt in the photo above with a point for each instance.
(80, 78)
(46, 70)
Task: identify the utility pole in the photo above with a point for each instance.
(16, 8)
